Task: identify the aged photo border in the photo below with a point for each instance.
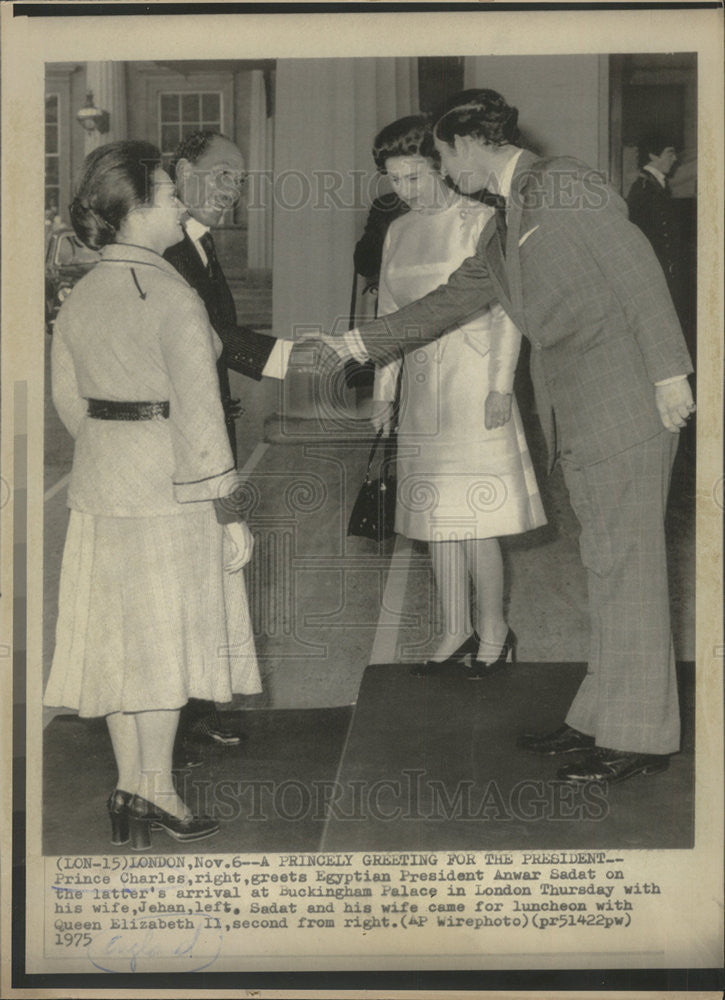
(24, 399)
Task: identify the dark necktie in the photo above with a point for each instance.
(206, 241)
(217, 295)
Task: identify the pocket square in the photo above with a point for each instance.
(526, 235)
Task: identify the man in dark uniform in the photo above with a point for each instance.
(650, 207)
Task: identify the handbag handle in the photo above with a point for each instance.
(371, 456)
(378, 436)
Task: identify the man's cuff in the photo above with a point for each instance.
(278, 361)
(352, 345)
(674, 378)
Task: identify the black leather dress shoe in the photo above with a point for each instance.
(201, 720)
(213, 731)
(603, 764)
(224, 737)
(187, 755)
(561, 740)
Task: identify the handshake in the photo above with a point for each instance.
(321, 353)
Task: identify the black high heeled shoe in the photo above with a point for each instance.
(117, 805)
(143, 816)
(480, 669)
(470, 645)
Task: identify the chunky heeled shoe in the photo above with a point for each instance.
(144, 815)
(117, 806)
(470, 646)
(480, 669)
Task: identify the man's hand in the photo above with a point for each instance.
(314, 354)
(242, 541)
(381, 416)
(498, 409)
(675, 404)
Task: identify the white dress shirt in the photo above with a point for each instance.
(657, 174)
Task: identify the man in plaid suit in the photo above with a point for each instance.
(609, 366)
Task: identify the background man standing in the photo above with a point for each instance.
(651, 208)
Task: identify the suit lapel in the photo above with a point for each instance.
(195, 264)
(495, 261)
(514, 211)
(187, 262)
(516, 203)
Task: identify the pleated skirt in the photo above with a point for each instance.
(147, 616)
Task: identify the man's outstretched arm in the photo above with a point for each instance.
(468, 291)
(249, 352)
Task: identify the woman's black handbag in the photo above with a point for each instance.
(373, 513)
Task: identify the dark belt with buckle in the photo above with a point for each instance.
(111, 409)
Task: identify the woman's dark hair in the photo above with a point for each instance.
(116, 178)
(409, 136)
(482, 114)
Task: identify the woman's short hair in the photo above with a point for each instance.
(116, 178)
(409, 136)
(481, 114)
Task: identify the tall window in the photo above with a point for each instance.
(180, 114)
(52, 155)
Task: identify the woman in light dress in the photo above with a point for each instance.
(464, 472)
(147, 618)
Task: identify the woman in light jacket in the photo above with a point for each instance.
(464, 473)
(146, 618)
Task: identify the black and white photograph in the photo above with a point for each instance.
(368, 495)
(491, 666)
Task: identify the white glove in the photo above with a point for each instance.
(242, 540)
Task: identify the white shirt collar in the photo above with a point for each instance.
(507, 175)
(194, 229)
(657, 174)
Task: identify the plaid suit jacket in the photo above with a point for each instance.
(584, 285)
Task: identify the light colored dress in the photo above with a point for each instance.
(147, 615)
(456, 479)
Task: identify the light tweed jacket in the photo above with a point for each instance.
(583, 284)
(133, 330)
